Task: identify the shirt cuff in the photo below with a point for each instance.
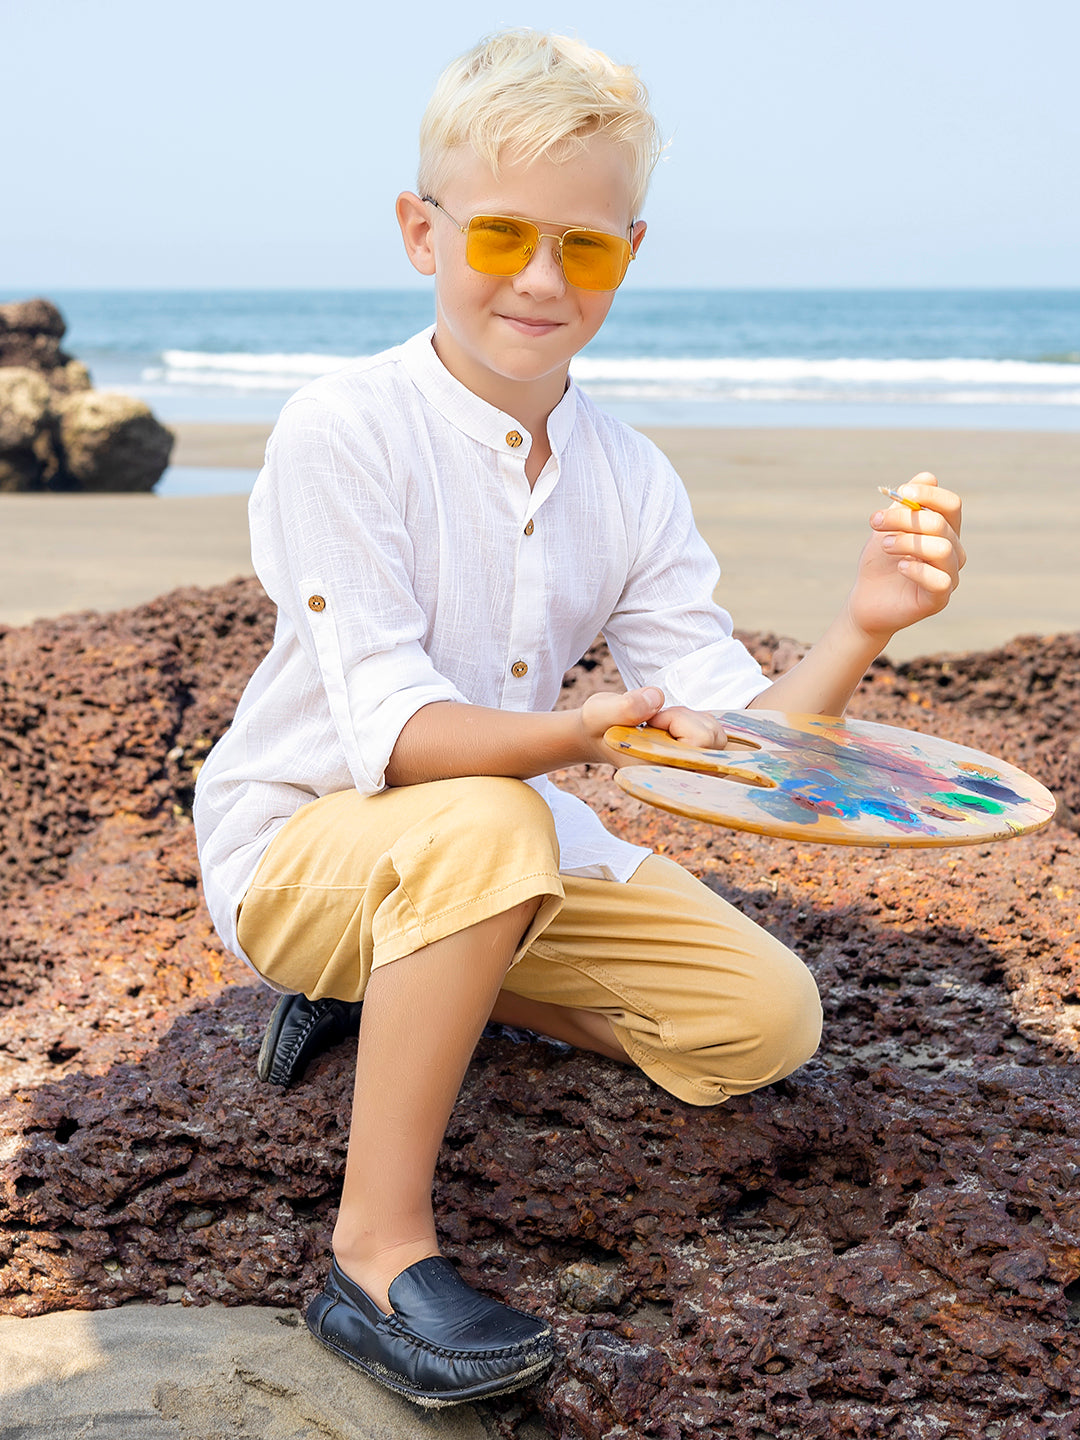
(385, 692)
(723, 676)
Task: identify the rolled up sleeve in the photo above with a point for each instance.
(330, 546)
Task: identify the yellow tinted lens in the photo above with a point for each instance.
(595, 261)
(499, 245)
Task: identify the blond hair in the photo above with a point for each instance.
(527, 94)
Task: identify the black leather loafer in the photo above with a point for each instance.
(300, 1029)
(443, 1345)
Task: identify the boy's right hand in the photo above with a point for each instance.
(635, 707)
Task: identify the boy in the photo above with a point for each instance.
(445, 528)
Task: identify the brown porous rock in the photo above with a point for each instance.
(56, 433)
(886, 1243)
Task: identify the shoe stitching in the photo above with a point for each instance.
(401, 1385)
(286, 1056)
(444, 1352)
(289, 1055)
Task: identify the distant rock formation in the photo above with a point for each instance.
(56, 432)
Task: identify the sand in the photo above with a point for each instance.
(785, 510)
(62, 553)
(165, 1372)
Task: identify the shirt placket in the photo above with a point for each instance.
(524, 641)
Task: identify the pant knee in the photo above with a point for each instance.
(761, 1035)
(497, 803)
(487, 816)
(790, 1032)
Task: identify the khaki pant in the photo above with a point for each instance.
(703, 1000)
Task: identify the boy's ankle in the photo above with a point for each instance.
(374, 1270)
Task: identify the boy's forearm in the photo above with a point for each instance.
(447, 739)
(826, 677)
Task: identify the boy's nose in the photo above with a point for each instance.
(543, 275)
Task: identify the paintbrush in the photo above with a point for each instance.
(895, 495)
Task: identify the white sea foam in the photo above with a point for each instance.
(955, 381)
(244, 371)
(901, 381)
(769, 370)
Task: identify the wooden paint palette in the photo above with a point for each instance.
(837, 781)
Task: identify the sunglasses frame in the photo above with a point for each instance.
(555, 238)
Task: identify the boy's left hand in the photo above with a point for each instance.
(643, 707)
(911, 564)
(691, 727)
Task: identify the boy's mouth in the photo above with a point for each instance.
(526, 326)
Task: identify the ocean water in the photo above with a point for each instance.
(936, 358)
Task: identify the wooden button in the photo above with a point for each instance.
(513, 439)
(518, 669)
(316, 602)
(529, 528)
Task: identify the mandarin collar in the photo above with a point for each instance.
(475, 417)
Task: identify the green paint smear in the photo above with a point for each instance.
(969, 801)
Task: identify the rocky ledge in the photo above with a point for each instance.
(56, 432)
(886, 1243)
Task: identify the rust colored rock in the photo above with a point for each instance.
(99, 716)
(112, 442)
(886, 1243)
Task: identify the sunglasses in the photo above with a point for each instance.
(504, 245)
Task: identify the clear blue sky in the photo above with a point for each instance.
(813, 142)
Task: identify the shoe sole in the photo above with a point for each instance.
(434, 1400)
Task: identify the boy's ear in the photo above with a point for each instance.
(415, 219)
(637, 235)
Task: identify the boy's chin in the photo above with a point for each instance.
(508, 359)
(533, 371)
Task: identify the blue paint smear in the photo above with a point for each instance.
(994, 788)
(889, 810)
(823, 797)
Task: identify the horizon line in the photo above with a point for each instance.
(43, 292)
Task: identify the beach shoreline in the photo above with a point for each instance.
(785, 510)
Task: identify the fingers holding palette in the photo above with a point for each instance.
(836, 781)
(646, 742)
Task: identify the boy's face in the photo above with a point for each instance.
(497, 334)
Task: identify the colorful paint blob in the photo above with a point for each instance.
(845, 782)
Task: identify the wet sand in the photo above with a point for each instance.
(785, 510)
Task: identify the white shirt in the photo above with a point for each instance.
(394, 528)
